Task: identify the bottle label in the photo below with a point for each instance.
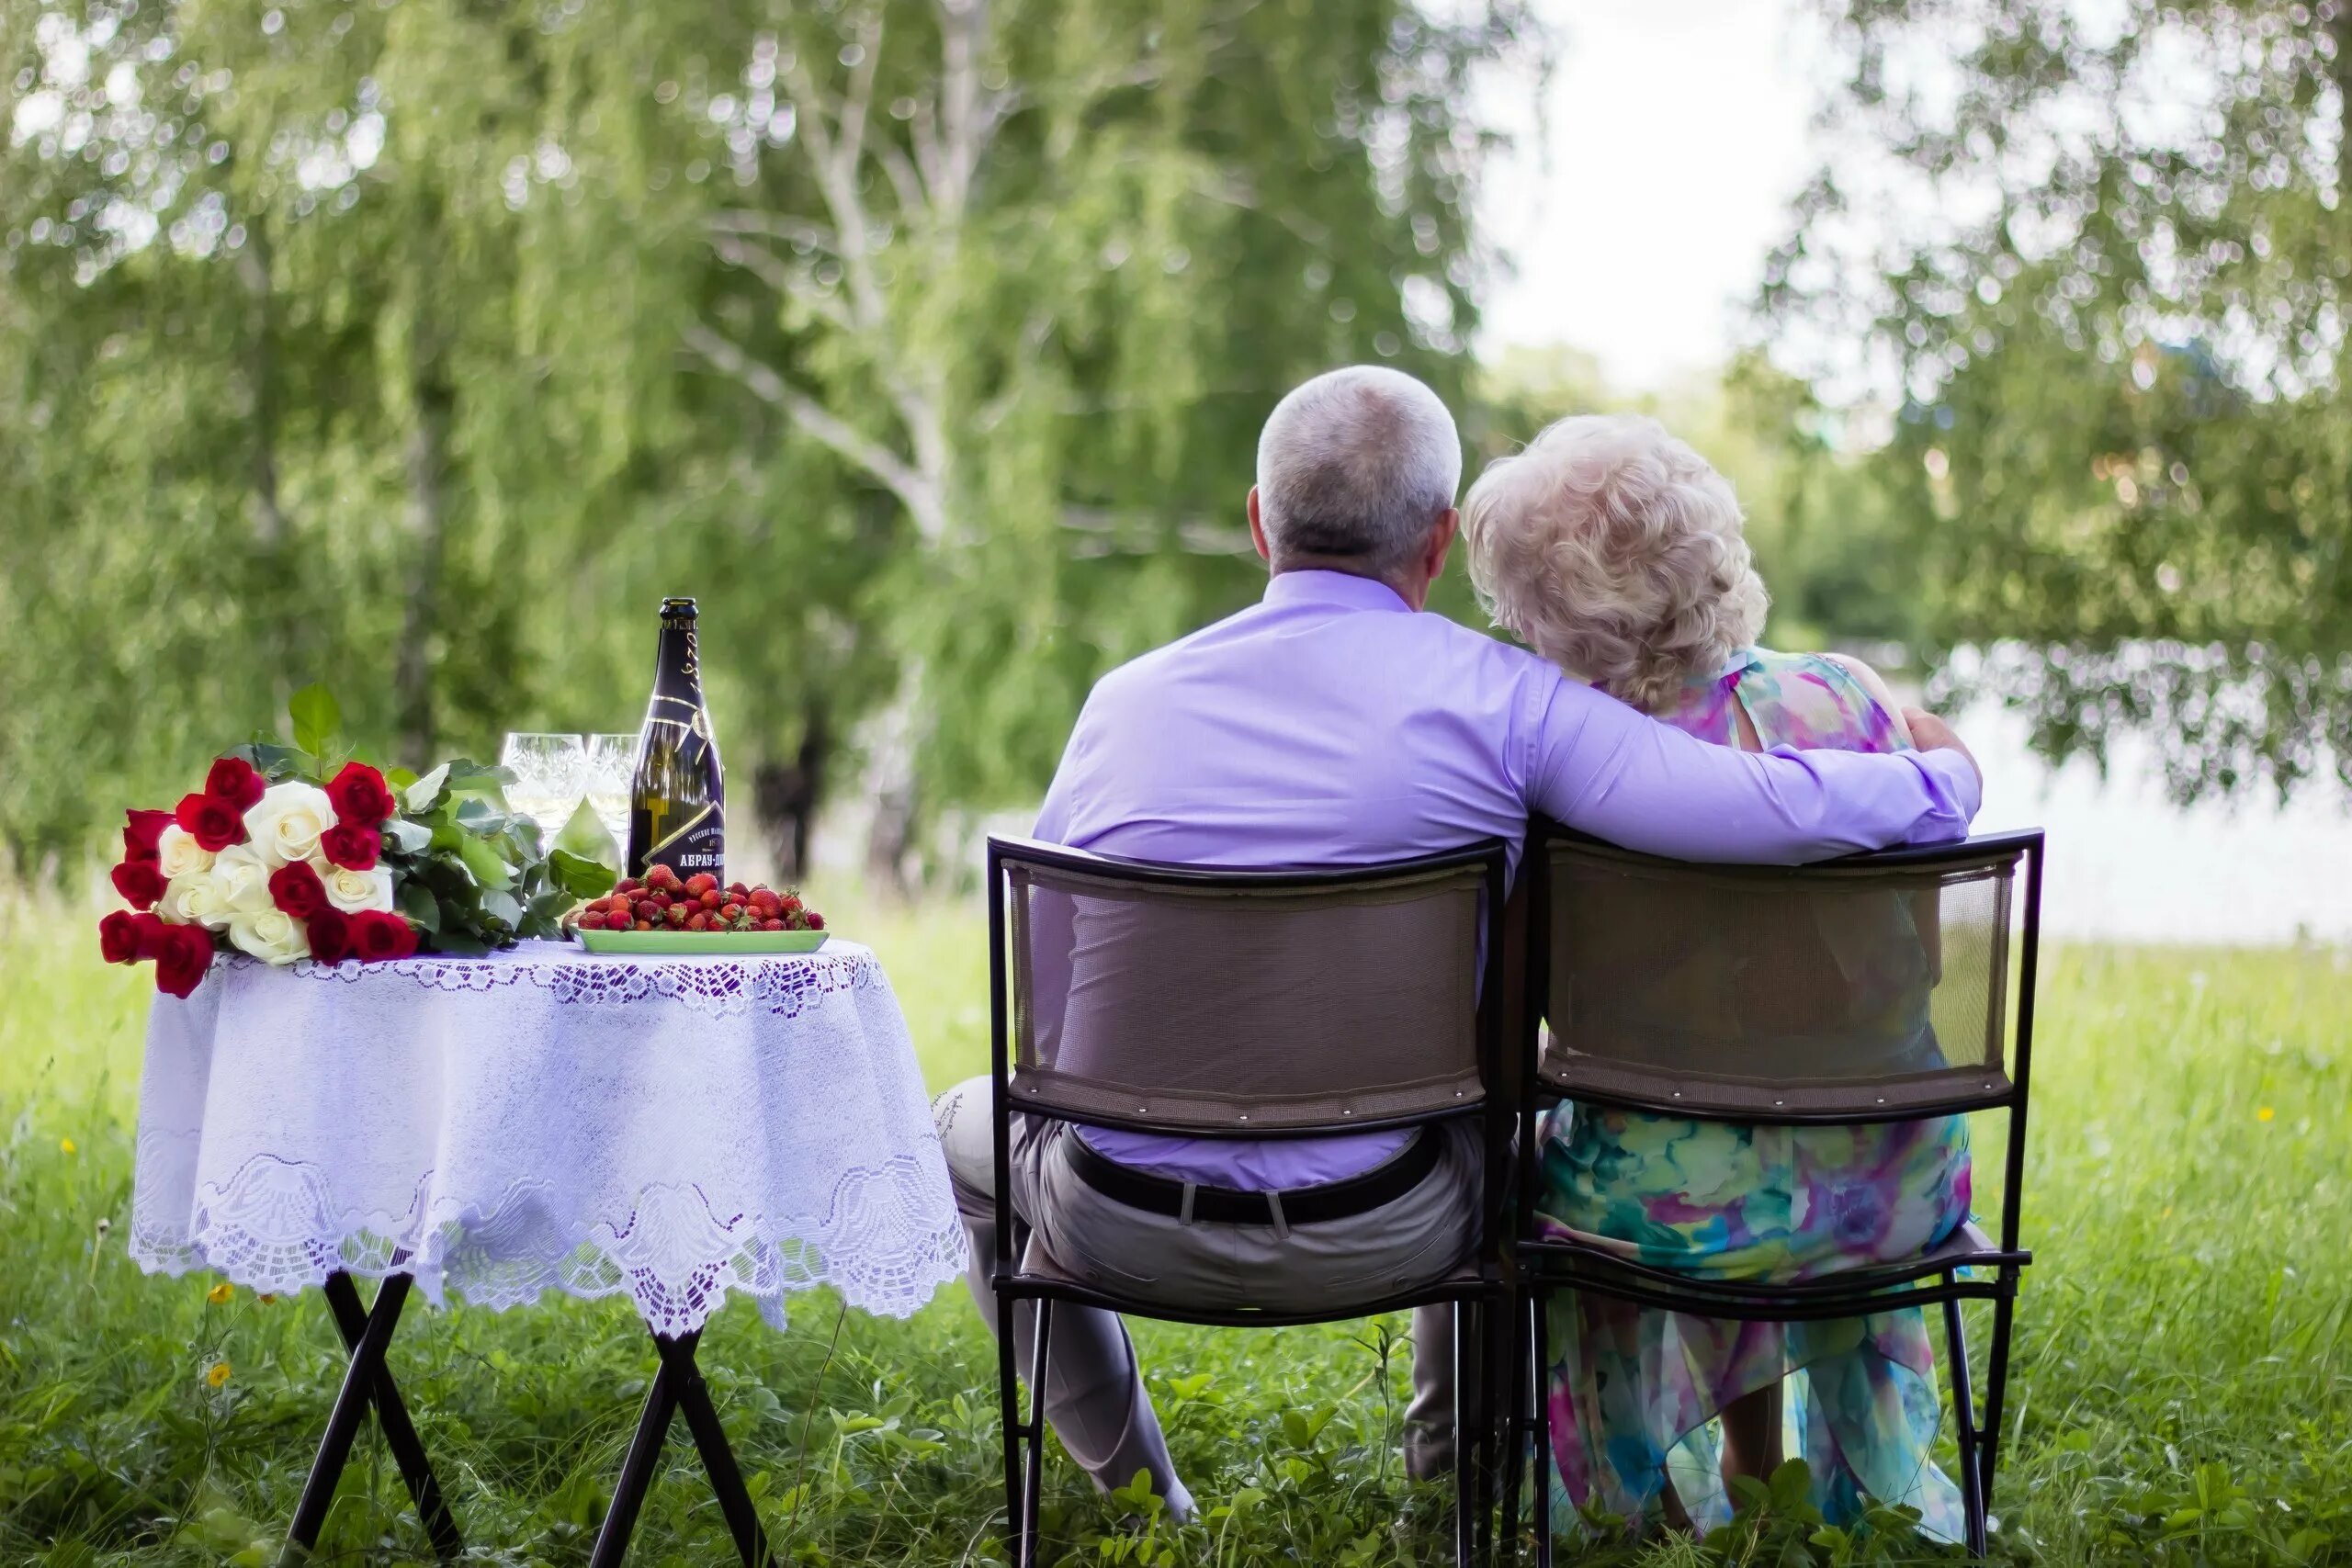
(699, 843)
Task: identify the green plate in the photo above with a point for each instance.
(672, 944)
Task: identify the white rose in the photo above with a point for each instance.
(285, 822)
(271, 934)
(352, 891)
(241, 882)
(195, 900)
(177, 854)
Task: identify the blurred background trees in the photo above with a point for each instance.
(421, 346)
(2105, 255)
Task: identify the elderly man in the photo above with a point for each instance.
(1332, 724)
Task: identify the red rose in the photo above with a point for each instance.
(151, 937)
(211, 821)
(232, 779)
(118, 937)
(354, 848)
(330, 932)
(139, 883)
(377, 934)
(295, 888)
(182, 955)
(140, 831)
(361, 796)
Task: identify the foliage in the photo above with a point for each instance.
(424, 347)
(2104, 255)
(2182, 1390)
(470, 874)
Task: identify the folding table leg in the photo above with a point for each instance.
(350, 1409)
(637, 1470)
(400, 1432)
(717, 1458)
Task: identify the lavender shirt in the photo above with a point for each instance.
(1329, 725)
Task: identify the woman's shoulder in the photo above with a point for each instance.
(1820, 700)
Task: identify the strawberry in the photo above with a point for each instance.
(730, 912)
(738, 892)
(647, 912)
(771, 925)
(765, 904)
(674, 916)
(815, 922)
(594, 921)
(662, 876)
(644, 925)
(697, 923)
(789, 902)
(627, 885)
(700, 882)
(712, 899)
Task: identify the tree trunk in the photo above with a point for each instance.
(785, 795)
(890, 784)
(427, 457)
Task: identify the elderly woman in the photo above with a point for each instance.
(1612, 549)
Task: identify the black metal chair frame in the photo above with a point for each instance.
(366, 1332)
(1545, 1266)
(1024, 1437)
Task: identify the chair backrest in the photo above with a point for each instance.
(1217, 1003)
(1867, 989)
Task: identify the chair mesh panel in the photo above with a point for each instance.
(1247, 1011)
(1756, 992)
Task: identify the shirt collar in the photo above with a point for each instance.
(1339, 590)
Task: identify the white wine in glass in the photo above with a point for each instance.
(550, 774)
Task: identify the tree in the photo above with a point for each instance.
(2107, 260)
(1032, 273)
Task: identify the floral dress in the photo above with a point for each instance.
(1633, 1390)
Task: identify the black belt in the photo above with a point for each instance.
(1384, 1183)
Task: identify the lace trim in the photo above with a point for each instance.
(675, 1255)
(779, 985)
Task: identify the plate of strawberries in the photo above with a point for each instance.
(663, 912)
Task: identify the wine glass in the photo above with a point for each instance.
(550, 774)
(612, 766)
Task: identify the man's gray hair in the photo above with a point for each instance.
(1355, 464)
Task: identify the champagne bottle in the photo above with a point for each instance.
(677, 800)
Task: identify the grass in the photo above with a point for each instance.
(2183, 1376)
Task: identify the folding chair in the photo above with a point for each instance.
(1867, 989)
(1214, 1003)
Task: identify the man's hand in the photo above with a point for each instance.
(1930, 733)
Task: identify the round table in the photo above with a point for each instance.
(673, 1129)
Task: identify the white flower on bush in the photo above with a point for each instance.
(352, 891)
(177, 854)
(271, 934)
(241, 882)
(285, 822)
(196, 901)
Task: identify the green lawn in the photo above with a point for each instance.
(2184, 1382)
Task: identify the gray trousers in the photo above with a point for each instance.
(1095, 1394)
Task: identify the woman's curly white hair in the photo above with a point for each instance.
(1613, 551)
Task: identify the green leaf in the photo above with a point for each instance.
(400, 778)
(483, 862)
(417, 902)
(500, 906)
(1790, 1484)
(276, 763)
(463, 945)
(580, 876)
(318, 720)
(425, 793)
(406, 837)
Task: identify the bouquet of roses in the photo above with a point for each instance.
(304, 851)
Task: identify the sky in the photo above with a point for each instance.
(1640, 218)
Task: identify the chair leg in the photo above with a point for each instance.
(1515, 1346)
(1539, 1411)
(1996, 1384)
(1971, 1492)
(1466, 1441)
(1033, 1478)
(1009, 1403)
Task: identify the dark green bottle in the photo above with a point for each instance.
(677, 810)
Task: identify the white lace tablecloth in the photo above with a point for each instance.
(676, 1129)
